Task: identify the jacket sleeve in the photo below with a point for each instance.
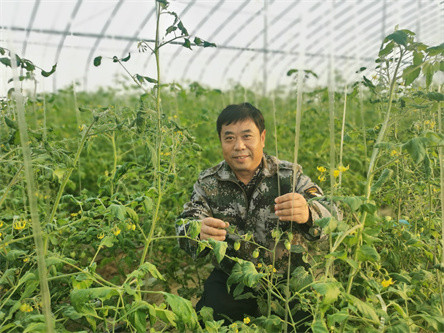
(188, 223)
(318, 208)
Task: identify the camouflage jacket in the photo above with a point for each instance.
(217, 194)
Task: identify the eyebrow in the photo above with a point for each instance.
(242, 132)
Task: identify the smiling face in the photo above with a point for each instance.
(243, 148)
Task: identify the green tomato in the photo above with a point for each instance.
(255, 253)
(287, 245)
(236, 245)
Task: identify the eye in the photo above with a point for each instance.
(248, 136)
(229, 138)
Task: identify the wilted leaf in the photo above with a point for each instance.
(46, 74)
(368, 253)
(330, 291)
(219, 249)
(385, 175)
(126, 58)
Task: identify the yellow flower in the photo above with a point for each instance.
(247, 320)
(321, 178)
(343, 169)
(25, 307)
(336, 173)
(26, 259)
(116, 231)
(259, 265)
(101, 235)
(321, 169)
(131, 226)
(1, 224)
(0, 234)
(19, 225)
(74, 214)
(81, 128)
(394, 153)
(386, 283)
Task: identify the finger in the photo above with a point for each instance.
(295, 204)
(215, 223)
(284, 197)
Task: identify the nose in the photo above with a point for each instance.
(239, 144)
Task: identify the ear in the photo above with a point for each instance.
(263, 137)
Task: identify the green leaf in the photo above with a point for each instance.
(338, 317)
(132, 214)
(318, 326)
(182, 29)
(107, 241)
(165, 315)
(410, 74)
(300, 278)
(28, 65)
(328, 224)
(163, 3)
(170, 29)
(400, 37)
(97, 61)
(435, 96)
(245, 272)
(416, 147)
(35, 328)
(363, 307)
(126, 58)
(2, 52)
(353, 202)
(436, 50)
(144, 269)
(118, 211)
(297, 248)
(417, 58)
(14, 254)
(10, 123)
(141, 79)
(187, 43)
(219, 249)
(46, 74)
(81, 297)
(8, 277)
(385, 175)
(137, 315)
(330, 291)
(368, 253)
(197, 41)
(6, 61)
(184, 311)
(386, 50)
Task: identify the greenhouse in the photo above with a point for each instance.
(221, 166)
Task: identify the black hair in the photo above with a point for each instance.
(240, 112)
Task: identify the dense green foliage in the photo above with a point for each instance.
(112, 171)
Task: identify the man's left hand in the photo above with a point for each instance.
(292, 207)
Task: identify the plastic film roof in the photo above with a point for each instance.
(257, 40)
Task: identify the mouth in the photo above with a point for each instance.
(240, 157)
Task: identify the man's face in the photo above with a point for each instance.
(242, 147)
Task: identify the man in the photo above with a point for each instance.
(252, 192)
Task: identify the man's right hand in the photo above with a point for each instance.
(213, 228)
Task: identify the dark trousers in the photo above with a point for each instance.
(224, 305)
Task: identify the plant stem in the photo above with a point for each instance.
(370, 172)
(159, 142)
(441, 168)
(31, 189)
(68, 173)
(342, 134)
